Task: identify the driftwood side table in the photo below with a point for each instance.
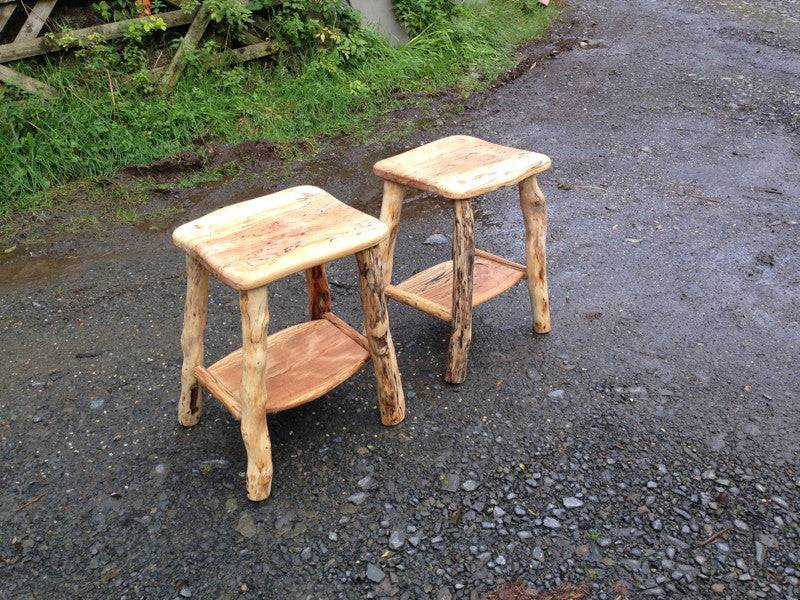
(463, 168)
(247, 246)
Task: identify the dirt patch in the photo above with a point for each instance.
(519, 591)
(167, 167)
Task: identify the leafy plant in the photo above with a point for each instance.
(330, 76)
(419, 15)
(139, 30)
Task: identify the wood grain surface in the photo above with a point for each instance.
(251, 243)
(461, 166)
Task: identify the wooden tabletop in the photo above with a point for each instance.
(252, 243)
(461, 167)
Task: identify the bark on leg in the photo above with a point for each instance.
(463, 264)
(390, 214)
(253, 393)
(534, 212)
(391, 399)
(190, 405)
(319, 293)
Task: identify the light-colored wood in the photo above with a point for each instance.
(239, 55)
(305, 361)
(391, 399)
(235, 55)
(254, 242)
(253, 394)
(190, 404)
(502, 261)
(178, 63)
(36, 20)
(6, 10)
(391, 208)
(29, 84)
(461, 166)
(534, 212)
(319, 292)
(431, 290)
(416, 299)
(544, 2)
(463, 267)
(106, 31)
(347, 330)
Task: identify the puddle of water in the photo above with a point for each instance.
(18, 266)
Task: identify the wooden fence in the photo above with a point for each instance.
(28, 42)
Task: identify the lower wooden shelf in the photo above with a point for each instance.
(431, 290)
(304, 362)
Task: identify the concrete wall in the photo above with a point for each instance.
(379, 14)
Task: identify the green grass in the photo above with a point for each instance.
(88, 131)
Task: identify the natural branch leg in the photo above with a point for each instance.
(253, 392)
(390, 214)
(190, 405)
(534, 212)
(319, 293)
(376, 325)
(463, 264)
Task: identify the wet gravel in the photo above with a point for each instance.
(647, 446)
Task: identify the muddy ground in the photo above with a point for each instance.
(647, 447)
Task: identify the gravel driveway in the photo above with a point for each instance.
(648, 446)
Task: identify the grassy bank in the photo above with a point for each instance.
(98, 124)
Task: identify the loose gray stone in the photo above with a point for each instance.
(538, 554)
(780, 502)
(367, 483)
(761, 553)
(358, 498)
(551, 523)
(444, 594)
(634, 566)
(470, 485)
(656, 591)
(374, 574)
(450, 482)
(396, 540)
(524, 535)
(186, 592)
(678, 543)
(247, 525)
(657, 525)
(572, 502)
(436, 239)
